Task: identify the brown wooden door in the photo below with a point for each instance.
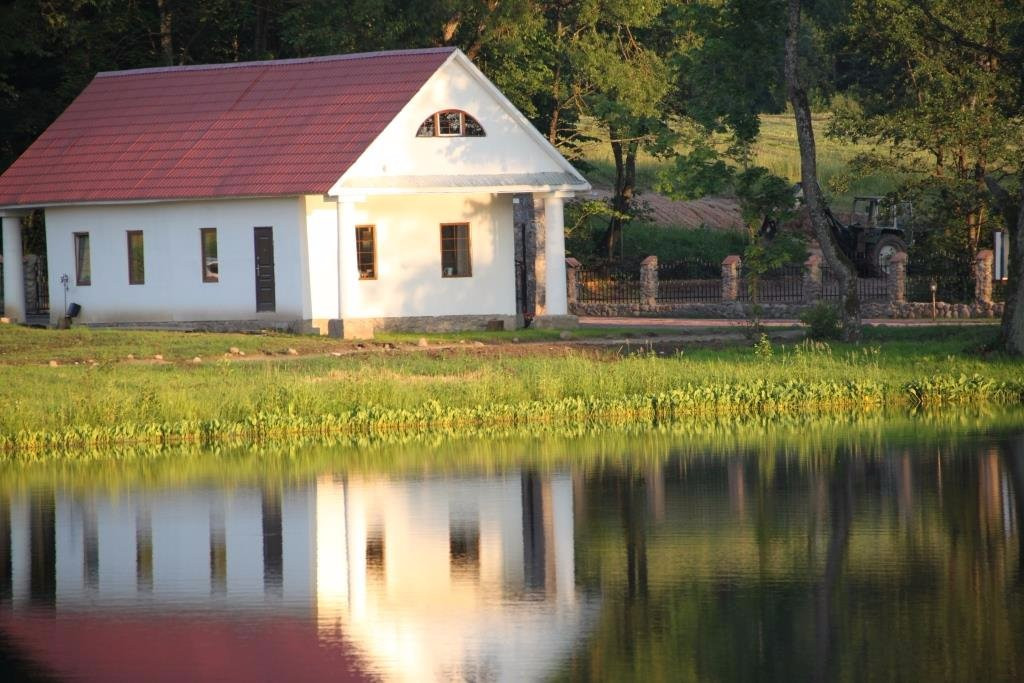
(265, 289)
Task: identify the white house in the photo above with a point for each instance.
(389, 190)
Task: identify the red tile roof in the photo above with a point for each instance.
(286, 127)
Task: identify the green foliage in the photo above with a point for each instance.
(644, 239)
(822, 320)
(375, 393)
(763, 348)
(940, 111)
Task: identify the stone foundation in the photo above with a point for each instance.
(555, 322)
(942, 310)
(200, 325)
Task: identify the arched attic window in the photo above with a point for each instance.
(450, 123)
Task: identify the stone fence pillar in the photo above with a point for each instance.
(983, 277)
(812, 279)
(571, 280)
(731, 278)
(896, 279)
(649, 281)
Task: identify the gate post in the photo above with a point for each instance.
(897, 278)
(731, 278)
(812, 279)
(571, 281)
(649, 282)
(983, 277)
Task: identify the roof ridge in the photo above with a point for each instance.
(275, 62)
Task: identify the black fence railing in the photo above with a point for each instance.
(38, 303)
(690, 281)
(780, 285)
(951, 287)
(869, 289)
(608, 284)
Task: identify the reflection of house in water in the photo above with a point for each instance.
(467, 577)
(451, 578)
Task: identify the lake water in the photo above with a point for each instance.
(849, 549)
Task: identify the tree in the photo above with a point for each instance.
(939, 86)
(813, 197)
(932, 107)
(618, 75)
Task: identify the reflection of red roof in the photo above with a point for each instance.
(160, 648)
(285, 127)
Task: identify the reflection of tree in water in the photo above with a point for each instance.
(1013, 460)
(871, 564)
(632, 503)
(841, 517)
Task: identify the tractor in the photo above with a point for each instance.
(878, 229)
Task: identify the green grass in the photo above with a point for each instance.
(71, 406)
(776, 149)
(85, 345)
(525, 335)
(814, 440)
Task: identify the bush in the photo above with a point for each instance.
(822, 321)
(641, 239)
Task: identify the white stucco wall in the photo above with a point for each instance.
(174, 289)
(322, 247)
(507, 147)
(409, 281)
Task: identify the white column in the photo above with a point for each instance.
(348, 270)
(554, 248)
(14, 269)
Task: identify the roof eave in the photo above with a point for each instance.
(359, 192)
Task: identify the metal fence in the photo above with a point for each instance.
(608, 284)
(869, 289)
(37, 300)
(690, 281)
(951, 287)
(780, 285)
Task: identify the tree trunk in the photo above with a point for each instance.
(622, 195)
(1012, 333)
(166, 37)
(834, 257)
(259, 39)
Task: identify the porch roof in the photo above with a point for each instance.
(503, 183)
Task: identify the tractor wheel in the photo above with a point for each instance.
(883, 251)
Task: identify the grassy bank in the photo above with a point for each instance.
(811, 441)
(241, 399)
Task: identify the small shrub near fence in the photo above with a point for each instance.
(869, 289)
(690, 281)
(608, 284)
(780, 285)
